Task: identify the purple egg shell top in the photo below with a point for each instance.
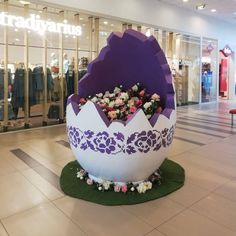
(129, 58)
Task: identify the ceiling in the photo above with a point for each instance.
(225, 9)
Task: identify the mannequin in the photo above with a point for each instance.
(65, 63)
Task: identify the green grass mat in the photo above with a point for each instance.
(172, 179)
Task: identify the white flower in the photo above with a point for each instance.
(132, 189)
(94, 99)
(106, 184)
(107, 94)
(147, 105)
(117, 111)
(148, 116)
(135, 88)
(142, 188)
(117, 90)
(111, 95)
(111, 104)
(106, 100)
(81, 177)
(148, 184)
(100, 188)
(100, 95)
(124, 96)
(80, 173)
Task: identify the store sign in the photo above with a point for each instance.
(35, 23)
(210, 48)
(227, 51)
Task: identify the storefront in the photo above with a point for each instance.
(45, 51)
(209, 74)
(226, 71)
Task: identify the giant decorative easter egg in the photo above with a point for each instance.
(123, 151)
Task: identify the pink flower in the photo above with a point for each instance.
(117, 188)
(82, 100)
(133, 109)
(155, 97)
(124, 188)
(141, 93)
(139, 102)
(89, 181)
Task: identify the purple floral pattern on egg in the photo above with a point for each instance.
(102, 142)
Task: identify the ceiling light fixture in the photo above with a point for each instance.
(24, 2)
(185, 0)
(201, 6)
(105, 22)
(65, 21)
(213, 10)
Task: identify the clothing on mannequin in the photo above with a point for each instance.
(65, 64)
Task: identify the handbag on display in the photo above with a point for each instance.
(53, 112)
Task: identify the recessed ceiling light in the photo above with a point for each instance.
(24, 2)
(112, 25)
(65, 21)
(17, 40)
(16, 30)
(105, 22)
(185, 0)
(81, 18)
(83, 24)
(201, 6)
(213, 10)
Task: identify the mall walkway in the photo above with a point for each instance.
(31, 202)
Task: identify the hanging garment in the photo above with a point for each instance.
(37, 76)
(18, 98)
(82, 73)
(70, 82)
(2, 72)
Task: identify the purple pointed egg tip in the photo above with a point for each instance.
(127, 59)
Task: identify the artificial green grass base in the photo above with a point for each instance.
(172, 179)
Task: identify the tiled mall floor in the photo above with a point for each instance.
(31, 202)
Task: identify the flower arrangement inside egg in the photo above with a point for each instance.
(122, 123)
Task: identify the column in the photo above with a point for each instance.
(76, 69)
(45, 92)
(26, 77)
(5, 117)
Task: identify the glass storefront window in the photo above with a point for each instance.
(183, 56)
(53, 60)
(209, 70)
